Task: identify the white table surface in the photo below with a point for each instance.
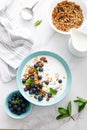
(43, 118)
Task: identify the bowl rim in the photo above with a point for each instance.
(51, 7)
(29, 108)
(64, 63)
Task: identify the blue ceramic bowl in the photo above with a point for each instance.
(23, 115)
(62, 62)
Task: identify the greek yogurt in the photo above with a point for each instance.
(44, 78)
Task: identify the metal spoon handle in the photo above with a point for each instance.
(34, 5)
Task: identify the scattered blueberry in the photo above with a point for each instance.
(23, 81)
(37, 93)
(32, 85)
(43, 95)
(9, 101)
(25, 89)
(40, 98)
(60, 81)
(34, 90)
(37, 88)
(46, 82)
(40, 85)
(49, 95)
(23, 105)
(32, 77)
(41, 69)
(15, 95)
(35, 65)
(39, 77)
(56, 90)
(31, 92)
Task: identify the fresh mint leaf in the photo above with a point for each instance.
(16, 101)
(65, 112)
(81, 107)
(29, 82)
(37, 69)
(62, 111)
(61, 116)
(52, 91)
(38, 22)
(69, 108)
(82, 100)
(77, 101)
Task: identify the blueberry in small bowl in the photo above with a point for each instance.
(17, 106)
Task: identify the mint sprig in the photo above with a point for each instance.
(38, 22)
(81, 103)
(65, 112)
(37, 69)
(53, 91)
(16, 101)
(29, 82)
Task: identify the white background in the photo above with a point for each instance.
(45, 38)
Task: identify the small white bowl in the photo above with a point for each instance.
(54, 3)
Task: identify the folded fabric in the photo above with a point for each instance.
(13, 49)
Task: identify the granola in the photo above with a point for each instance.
(67, 15)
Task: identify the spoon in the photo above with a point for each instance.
(27, 13)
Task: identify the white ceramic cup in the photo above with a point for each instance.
(78, 43)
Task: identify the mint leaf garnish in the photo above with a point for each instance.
(81, 103)
(29, 82)
(16, 101)
(65, 112)
(38, 22)
(53, 91)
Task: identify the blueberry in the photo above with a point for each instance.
(40, 98)
(46, 82)
(12, 98)
(34, 90)
(49, 95)
(37, 88)
(40, 85)
(31, 92)
(32, 85)
(11, 109)
(23, 110)
(32, 77)
(15, 107)
(56, 90)
(25, 89)
(41, 69)
(19, 109)
(18, 113)
(43, 95)
(9, 101)
(14, 95)
(18, 98)
(37, 93)
(39, 77)
(60, 81)
(35, 65)
(23, 81)
(23, 105)
(9, 105)
(26, 103)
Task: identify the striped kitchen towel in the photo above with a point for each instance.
(13, 48)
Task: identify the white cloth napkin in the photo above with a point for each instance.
(13, 48)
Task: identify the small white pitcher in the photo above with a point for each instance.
(78, 43)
